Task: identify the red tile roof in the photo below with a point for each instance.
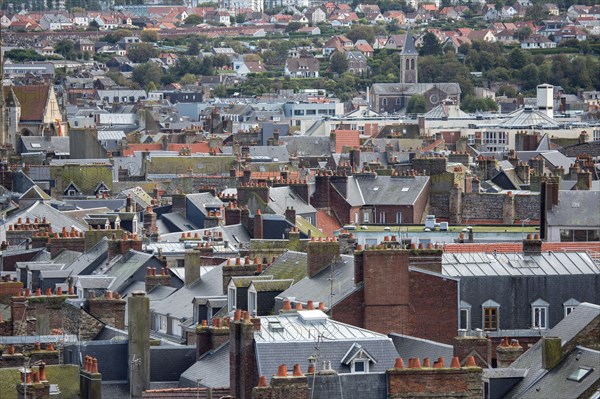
(327, 224)
(517, 247)
(346, 138)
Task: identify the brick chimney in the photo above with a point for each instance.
(239, 267)
(31, 385)
(340, 182)
(477, 344)
(129, 207)
(72, 240)
(321, 253)
(120, 246)
(532, 245)
(245, 219)
(584, 180)
(149, 221)
(211, 337)
(320, 198)
(242, 356)
(355, 158)
(233, 214)
(213, 219)
(178, 201)
(437, 381)
(257, 230)
(428, 258)
(290, 215)
(90, 379)
(508, 352)
(283, 385)
(301, 188)
(109, 309)
(155, 278)
(523, 171)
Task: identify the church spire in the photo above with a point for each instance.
(409, 72)
(3, 132)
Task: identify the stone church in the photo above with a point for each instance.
(392, 98)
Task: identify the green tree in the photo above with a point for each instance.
(145, 73)
(193, 47)
(536, 13)
(220, 91)
(93, 25)
(149, 36)
(66, 48)
(523, 33)
(416, 105)
(517, 59)
(193, 20)
(117, 35)
(293, 26)
(86, 55)
(188, 79)
(240, 18)
(361, 32)
(431, 45)
(338, 62)
(141, 52)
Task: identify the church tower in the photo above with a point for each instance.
(2, 102)
(409, 71)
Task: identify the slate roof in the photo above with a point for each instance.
(124, 268)
(212, 369)
(298, 333)
(93, 282)
(307, 146)
(408, 347)
(409, 44)
(180, 303)
(539, 378)
(384, 190)
(576, 209)
(318, 288)
(57, 145)
(282, 197)
(40, 210)
(245, 281)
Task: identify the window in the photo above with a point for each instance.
(384, 101)
(252, 305)
(490, 318)
(231, 298)
(596, 135)
(490, 310)
(570, 305)
(465, 315)
(539, 314)
(398, 217)
(382, 217)
(579, 374)
(161, 323)
(366, 217)
(360, 366)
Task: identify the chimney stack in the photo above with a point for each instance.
(139, 343)
(507, 353)
(551, 352)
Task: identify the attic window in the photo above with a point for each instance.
(36, 145)
(579, 374)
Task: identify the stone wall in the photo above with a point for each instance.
(527, 207)
(482, 206)
(439, 205)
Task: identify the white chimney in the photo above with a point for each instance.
(545, 99)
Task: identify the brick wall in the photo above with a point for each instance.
(431, 166)
(242, 359)
(9, 289)
(321, 254)
(41, 313)
(350, 310)
(433, 307)
(478, 347)
(289, 387)
(79, 322)
(464, 383)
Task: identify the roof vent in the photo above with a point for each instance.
(312, 316)
(275, 326)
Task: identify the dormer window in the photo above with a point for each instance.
(539, 314)
(358, 359)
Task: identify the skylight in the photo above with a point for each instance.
(579, 374)
(405, 189)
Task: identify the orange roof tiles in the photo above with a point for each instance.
(327, 224)
(346, 138)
